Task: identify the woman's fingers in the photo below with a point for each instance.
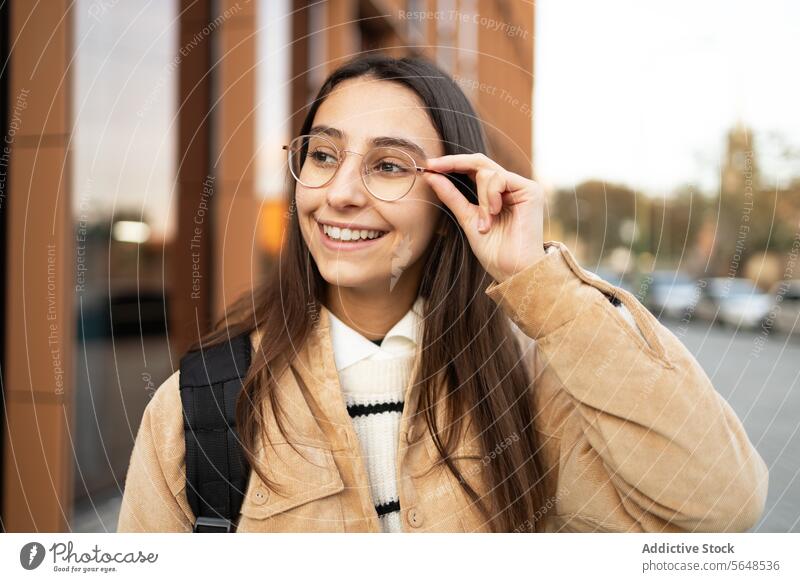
(496, 187)
(462, 209)
(491, 186)
(483, 178)
(462, 163)
(471, 163)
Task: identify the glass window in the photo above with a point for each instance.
(123, 180)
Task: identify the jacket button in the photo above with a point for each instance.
(260, 496)
(414, 517)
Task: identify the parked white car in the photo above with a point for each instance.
(733, 301)
(670, 293)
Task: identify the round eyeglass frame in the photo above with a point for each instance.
(342, 153)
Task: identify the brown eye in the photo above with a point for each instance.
(390, 168)
(322, 157)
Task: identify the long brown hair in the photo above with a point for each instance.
(466, 337)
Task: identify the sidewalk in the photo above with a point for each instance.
(96, 515)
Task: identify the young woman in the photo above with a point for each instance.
(424, 361)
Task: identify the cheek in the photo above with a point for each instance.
(416, 219)
(304, 200)
(304, 205)
(414, 229)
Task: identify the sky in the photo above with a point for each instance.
(124, 105)
(644, 93)
(273, 58)
(639, 93)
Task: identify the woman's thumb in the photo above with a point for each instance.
(453, 199)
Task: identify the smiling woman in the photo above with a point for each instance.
(373, 188)
(509, 390)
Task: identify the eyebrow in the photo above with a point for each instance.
(380, 141)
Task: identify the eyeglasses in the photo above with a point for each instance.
(388, 173)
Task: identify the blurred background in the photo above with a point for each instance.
(141, 190)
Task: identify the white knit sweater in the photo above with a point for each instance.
(374, 391)
(373, 380)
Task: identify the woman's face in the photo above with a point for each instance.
(356, 113)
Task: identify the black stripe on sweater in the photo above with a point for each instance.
(364, 409)
(389, 507)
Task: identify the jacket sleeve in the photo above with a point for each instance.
(637, 436)
(154, 499)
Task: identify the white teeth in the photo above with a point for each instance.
(346, 234)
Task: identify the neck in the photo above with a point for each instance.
(370, 313)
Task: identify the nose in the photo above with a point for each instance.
(347, 188)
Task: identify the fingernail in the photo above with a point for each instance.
(481, 223)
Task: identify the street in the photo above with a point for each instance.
(759, 377)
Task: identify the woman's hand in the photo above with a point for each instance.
(505, 231)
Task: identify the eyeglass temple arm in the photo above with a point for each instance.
(422, 170)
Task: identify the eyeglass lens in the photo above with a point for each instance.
(388, 173)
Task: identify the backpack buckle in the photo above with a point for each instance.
(212, 525)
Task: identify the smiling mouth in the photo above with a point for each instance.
(337, 234)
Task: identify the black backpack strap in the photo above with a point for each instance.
(216, 469)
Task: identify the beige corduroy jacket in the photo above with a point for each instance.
(632, 429)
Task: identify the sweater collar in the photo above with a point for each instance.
(350, 347)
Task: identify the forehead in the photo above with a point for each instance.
(366, 108)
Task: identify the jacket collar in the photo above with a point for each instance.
(314, 367)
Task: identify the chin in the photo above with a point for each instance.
(343, 275)
(348, 276)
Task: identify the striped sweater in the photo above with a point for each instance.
(373, 391)
(373, 377)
